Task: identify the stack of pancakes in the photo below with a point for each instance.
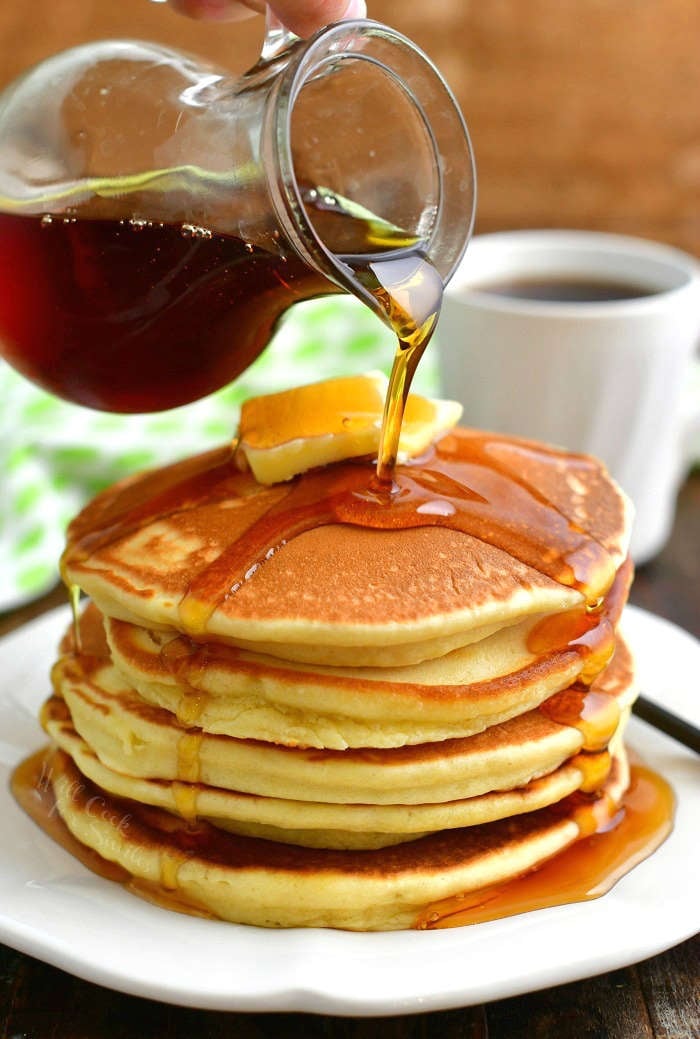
(366, 721)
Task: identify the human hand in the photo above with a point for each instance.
(302, 17)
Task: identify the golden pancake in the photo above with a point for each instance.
(322, 824)
(233, 692)
(386, 656)
(102, 717)
(228, 691)
(270, 884)
(137, 739)
(200, 547)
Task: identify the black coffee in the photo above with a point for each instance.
(566, 290)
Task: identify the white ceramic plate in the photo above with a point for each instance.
(53, 908)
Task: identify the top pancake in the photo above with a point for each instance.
(193, 547)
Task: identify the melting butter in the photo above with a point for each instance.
(284, 434)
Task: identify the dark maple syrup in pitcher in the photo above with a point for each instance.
(139, 315)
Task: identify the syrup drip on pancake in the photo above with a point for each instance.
(589, 630)
(74, 599)
(188, 756)
(595, 768)
(181, 659)
(190, 707)
(596, 715)
(613, 839)
(186, 797)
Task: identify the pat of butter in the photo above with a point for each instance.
(284, 434)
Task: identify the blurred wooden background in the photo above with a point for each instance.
(583, 113)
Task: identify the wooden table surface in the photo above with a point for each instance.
(657, 999)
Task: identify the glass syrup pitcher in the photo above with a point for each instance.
(158, 217)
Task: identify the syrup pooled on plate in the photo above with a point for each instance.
(31, 788)
(613, 839)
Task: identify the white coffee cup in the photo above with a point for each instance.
(610, 378)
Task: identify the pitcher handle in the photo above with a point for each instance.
(277, 37)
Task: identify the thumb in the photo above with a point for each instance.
(304, 17)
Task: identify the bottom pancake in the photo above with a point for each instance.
(254, 881)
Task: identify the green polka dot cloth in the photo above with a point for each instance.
(54, 456)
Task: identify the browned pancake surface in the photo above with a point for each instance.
(150, 543)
